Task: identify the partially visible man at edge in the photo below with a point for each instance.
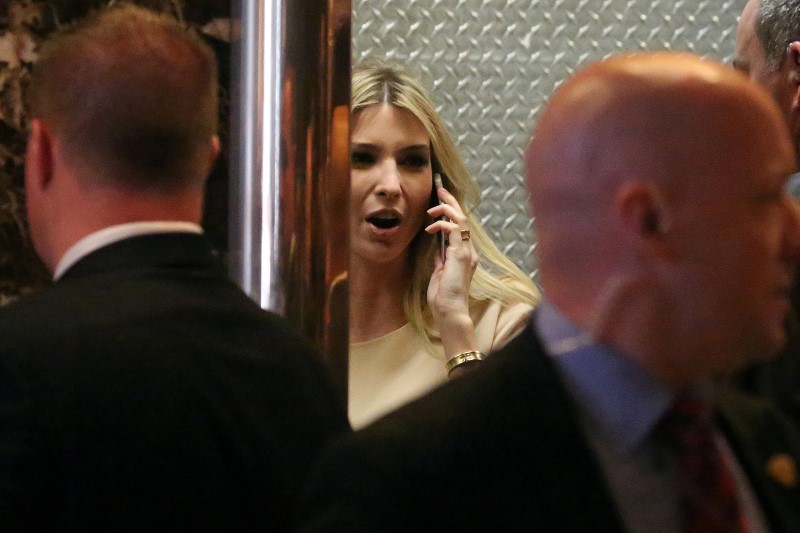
(143, 390)
(665, 243)
(768, 51)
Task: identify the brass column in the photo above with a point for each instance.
(289, 242)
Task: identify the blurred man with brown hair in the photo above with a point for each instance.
(143, 391)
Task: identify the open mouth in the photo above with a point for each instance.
(384, 221)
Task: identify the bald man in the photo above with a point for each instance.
(143, 391)
(665, 241)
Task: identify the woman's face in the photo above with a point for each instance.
(391, 182)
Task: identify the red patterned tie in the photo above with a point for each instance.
(706, 488)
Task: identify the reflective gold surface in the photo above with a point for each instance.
(290, 240)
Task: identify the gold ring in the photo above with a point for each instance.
(462, 358)
(464, 234)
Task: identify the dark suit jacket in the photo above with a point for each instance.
(501, 449)
(144, 391)
(779, 379)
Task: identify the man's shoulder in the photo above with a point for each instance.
(463, 404)
(514, 392)
(757, 427)
(181, 312)
(31, 311)
(508, 428)
(506, 372)
(753, 415)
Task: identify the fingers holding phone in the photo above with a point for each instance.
(448, 290)
(452, 225)
(437, 184)
(451, 222)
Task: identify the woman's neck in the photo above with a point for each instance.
(376, 298)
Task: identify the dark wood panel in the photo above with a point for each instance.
(24, 25)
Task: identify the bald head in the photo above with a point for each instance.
(655, 120)
(653, 116)
(635, 162)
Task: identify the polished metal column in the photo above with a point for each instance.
(289, 242)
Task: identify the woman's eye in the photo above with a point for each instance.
(361, 159)
(416, 161)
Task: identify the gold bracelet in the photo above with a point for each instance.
(462, 358)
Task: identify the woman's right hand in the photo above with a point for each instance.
(448, 290)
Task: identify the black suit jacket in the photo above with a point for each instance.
(501, 449)
(144, 391)
(779, 379)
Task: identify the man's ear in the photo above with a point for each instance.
(211, 152)
(791, 67)
(215, 149)
(793, 61)
(644, 211)
(38, 156)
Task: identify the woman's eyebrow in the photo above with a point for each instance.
(415, 147)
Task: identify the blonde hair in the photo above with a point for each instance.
(497, 278)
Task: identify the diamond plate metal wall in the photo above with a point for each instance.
(491, 65)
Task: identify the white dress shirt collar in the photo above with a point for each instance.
(104, 237)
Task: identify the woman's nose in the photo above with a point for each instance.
(389, 180)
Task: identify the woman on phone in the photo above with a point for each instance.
(419, 311)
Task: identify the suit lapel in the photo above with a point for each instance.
(767, 449)
(556, 437)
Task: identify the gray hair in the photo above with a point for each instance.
(777, 24)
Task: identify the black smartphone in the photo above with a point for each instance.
(437, 182)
